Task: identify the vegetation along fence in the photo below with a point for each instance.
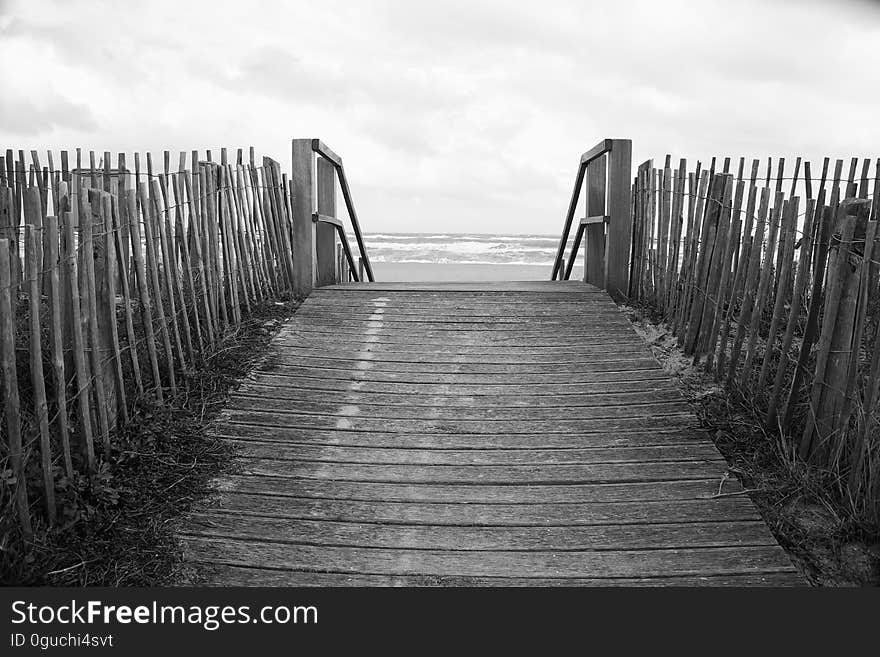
(117, 284)
(771, 284)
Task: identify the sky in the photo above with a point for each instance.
(454, 116)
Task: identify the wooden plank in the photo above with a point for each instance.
(368, 378)
(605, 383)
(599, 436)
(457, 354)
(479, 539)
(662, 417)
(570, 514)
(539, 564)
(478, 493)
(634, 394)
(356, 409)
(598, 364)
(476, 289)
(251, 576)
(574, 455)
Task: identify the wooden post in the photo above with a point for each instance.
(55, 337)
(41, 409)
(835, 340)
(94, 269)
(325, 234)
(620, 222)
(304, 260)
(10, 388)
(142, 284)
(594, 243)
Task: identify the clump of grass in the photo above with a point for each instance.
(114, 524)
(805, 507)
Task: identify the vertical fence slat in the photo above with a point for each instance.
(142, 284)
(97, 337)
(12, 404)
(38, 383)
(803, 272)
(763, 287)
(148, 213)
(55, 340)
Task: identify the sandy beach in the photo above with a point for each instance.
(395, 271)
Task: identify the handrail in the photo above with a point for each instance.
(598, 150)
(324, 151)
(608, 226)
(340, 229)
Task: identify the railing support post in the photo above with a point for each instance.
(304, 229)
(617, 247)
(594, 233)
(325, 234)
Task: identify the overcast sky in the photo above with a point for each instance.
(464, 116)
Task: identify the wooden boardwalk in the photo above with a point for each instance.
(516, 433)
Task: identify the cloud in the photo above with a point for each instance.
(29, 118)
(458, 115)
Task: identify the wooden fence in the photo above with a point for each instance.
(771, 283)
(116, 284)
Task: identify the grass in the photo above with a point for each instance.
(114, 525)
(829, 542)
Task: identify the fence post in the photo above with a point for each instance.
(325, 234)
(617, 247)
(304, 257)
(594, 232)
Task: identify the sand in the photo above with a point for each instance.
(395, 271)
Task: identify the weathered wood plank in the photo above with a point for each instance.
(606, 363)
(367, 399)
(556, 287)
(501, 356)
(654, 491)
(284, 408)
(642, 380)
(614, 372)
(566, 514)
(603, 437)
(250, 576)
(674, 418)
(390, 456)
(637, 563)
(486, 474)
(479, 539)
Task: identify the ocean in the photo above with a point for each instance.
(459, 257)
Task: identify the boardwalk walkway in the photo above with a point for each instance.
(517, 433)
